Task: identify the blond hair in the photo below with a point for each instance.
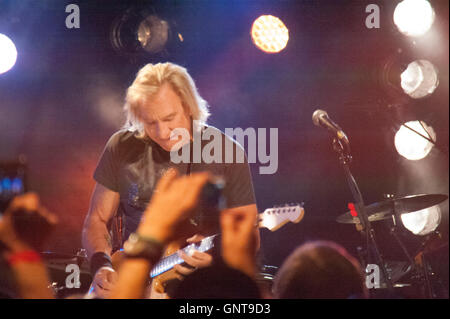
(148, 81)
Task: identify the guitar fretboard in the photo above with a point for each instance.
(272, 218)
(168, 262)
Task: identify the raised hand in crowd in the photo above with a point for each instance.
(23, 227)
(239, 242)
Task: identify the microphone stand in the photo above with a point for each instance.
(345, 159)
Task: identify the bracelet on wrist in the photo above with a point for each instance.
(148, 248)
(28, 256)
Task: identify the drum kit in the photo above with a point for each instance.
(416, 272)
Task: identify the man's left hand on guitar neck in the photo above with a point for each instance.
(194, 261)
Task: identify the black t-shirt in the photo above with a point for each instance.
(132, 167)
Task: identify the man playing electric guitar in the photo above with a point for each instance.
(162, 98)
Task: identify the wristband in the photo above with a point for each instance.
(99, 260)
(29, 256)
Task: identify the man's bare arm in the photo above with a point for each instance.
(103, 206)
(30, 276)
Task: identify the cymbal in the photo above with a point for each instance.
(384, 210)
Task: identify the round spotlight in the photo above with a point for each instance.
(422, 222)
(411, 145)
(419, 79)
(153, 34)
(414, 17)
(138, 32)
(8, 54)
(269, 34)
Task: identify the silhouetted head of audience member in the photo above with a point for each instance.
(320, 270)
(217, 282)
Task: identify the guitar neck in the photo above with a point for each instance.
(272, 218)
(167, 263)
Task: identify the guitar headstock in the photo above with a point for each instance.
(276, 217)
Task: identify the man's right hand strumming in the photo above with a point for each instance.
(103, 282)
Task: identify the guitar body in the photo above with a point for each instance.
(117, 259)
(159, 283)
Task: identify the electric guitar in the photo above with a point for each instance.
(272, 219)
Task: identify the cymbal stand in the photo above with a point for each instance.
(426, 271)
(421, 267)
(393, 230)
(345, 159)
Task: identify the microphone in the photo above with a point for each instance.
(320, 118)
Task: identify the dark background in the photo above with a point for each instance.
(64, 97)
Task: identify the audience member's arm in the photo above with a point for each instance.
(172, 202)
(239, 240)
(252, 210)
(29, 271)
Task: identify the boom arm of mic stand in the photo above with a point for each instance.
(345, 158)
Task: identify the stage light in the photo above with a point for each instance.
(419, 79)
(8, 54)
(153, 34)
(403, 78)
(414, 17)
(137, 32)
(411, 145)
(422, 222)
(269, 34)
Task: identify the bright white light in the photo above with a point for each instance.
(269, 34)
(8, 54)
(419, 79)
(414, 17)
(422, 222)
(410, 144)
